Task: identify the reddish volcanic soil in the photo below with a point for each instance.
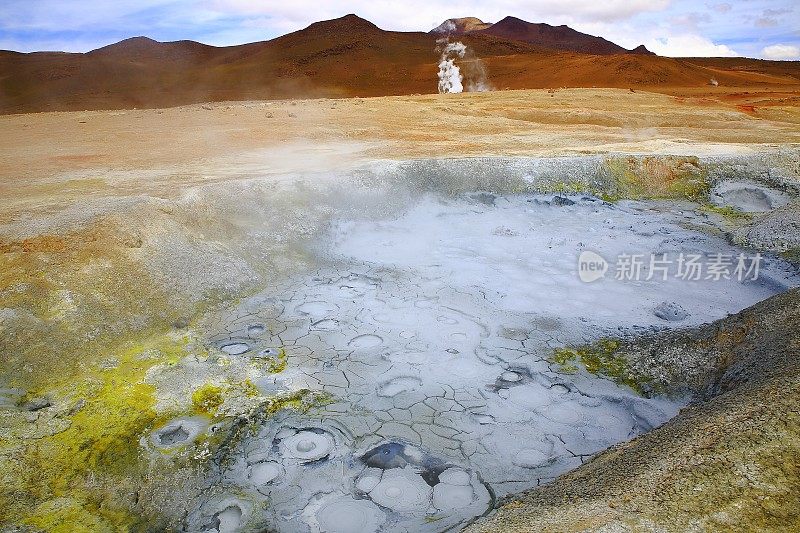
(352, 57)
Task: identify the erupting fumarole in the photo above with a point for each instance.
(450, 78)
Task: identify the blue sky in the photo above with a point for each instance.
(754, 28)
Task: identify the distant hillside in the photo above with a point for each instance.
(343, 57)
(561, 38)
(460, 26)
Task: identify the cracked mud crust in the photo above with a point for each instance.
(168, 355)
(727, 462)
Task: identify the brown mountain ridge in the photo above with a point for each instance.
(561, 38)
(344, 57)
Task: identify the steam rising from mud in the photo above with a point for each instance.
(451, 80)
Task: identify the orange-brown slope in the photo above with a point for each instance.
(745, 66)
(351, 57)
(662, 74)
(338, 58)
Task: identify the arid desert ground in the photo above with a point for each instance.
(195, 296)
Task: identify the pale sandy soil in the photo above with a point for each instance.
(47, 158)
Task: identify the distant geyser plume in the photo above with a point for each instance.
(451, 79)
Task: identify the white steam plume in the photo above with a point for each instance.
(448, 27)
(451, 79)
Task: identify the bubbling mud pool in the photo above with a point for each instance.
(432, 333)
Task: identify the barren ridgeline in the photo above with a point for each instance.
(338, 58)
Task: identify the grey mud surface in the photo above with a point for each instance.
(415, 308)
(728, 462)
(431, 334)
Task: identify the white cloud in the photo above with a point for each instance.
(690, 21)
(776, 12)
(765, 22)
(720, 8)
(425, 15)
(58, 15)
(47, 45)
(668, 27)
(781, 51)
(663, 38)
(688, 45)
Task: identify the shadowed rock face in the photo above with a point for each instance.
(737, 445)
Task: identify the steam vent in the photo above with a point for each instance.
(495, 277)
